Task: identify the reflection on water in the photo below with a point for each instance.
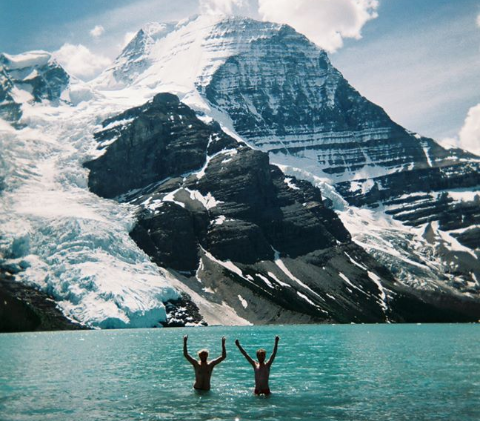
(362, 372)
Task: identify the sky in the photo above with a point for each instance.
(418, 59)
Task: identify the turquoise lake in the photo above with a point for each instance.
(342, 372)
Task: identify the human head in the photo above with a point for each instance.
(203, 355)
(261, 353)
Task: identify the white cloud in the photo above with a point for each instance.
(226, 7)
(469, 136)
(406, 73)
(325, 22)
(478, 20)
(449, 142)
(97, 32)
(79, 61)
(127, 38)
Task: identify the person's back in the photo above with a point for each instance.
(203, 368)
(260, 367)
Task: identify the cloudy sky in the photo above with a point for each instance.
(419, 60)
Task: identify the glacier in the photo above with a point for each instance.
(58, 236)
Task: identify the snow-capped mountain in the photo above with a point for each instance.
(198, 210)
(33, 78)
(280, 93)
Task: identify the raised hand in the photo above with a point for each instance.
(277, 339)
(237, 342)
(185, 338)
(223, 340)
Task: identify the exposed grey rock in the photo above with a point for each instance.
(183, 312)
(9, 109)
(302, 104)
(173, 147)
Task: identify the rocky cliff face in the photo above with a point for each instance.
(235, 229)
(284, 96)
(24, 308)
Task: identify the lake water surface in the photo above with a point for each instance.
(353, 372)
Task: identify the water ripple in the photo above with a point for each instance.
(399, 372)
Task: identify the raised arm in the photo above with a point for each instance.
(185, 352)
(223, 356)
(244, 353)
(274, 353)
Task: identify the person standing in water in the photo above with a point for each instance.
(262, 369)
(203, 368)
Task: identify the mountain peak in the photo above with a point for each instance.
(181, 56)
(25, 60)
(33, 76)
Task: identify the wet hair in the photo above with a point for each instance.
(261, 351)
(202, 351)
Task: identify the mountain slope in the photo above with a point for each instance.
(238, 230)
(280, 93)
